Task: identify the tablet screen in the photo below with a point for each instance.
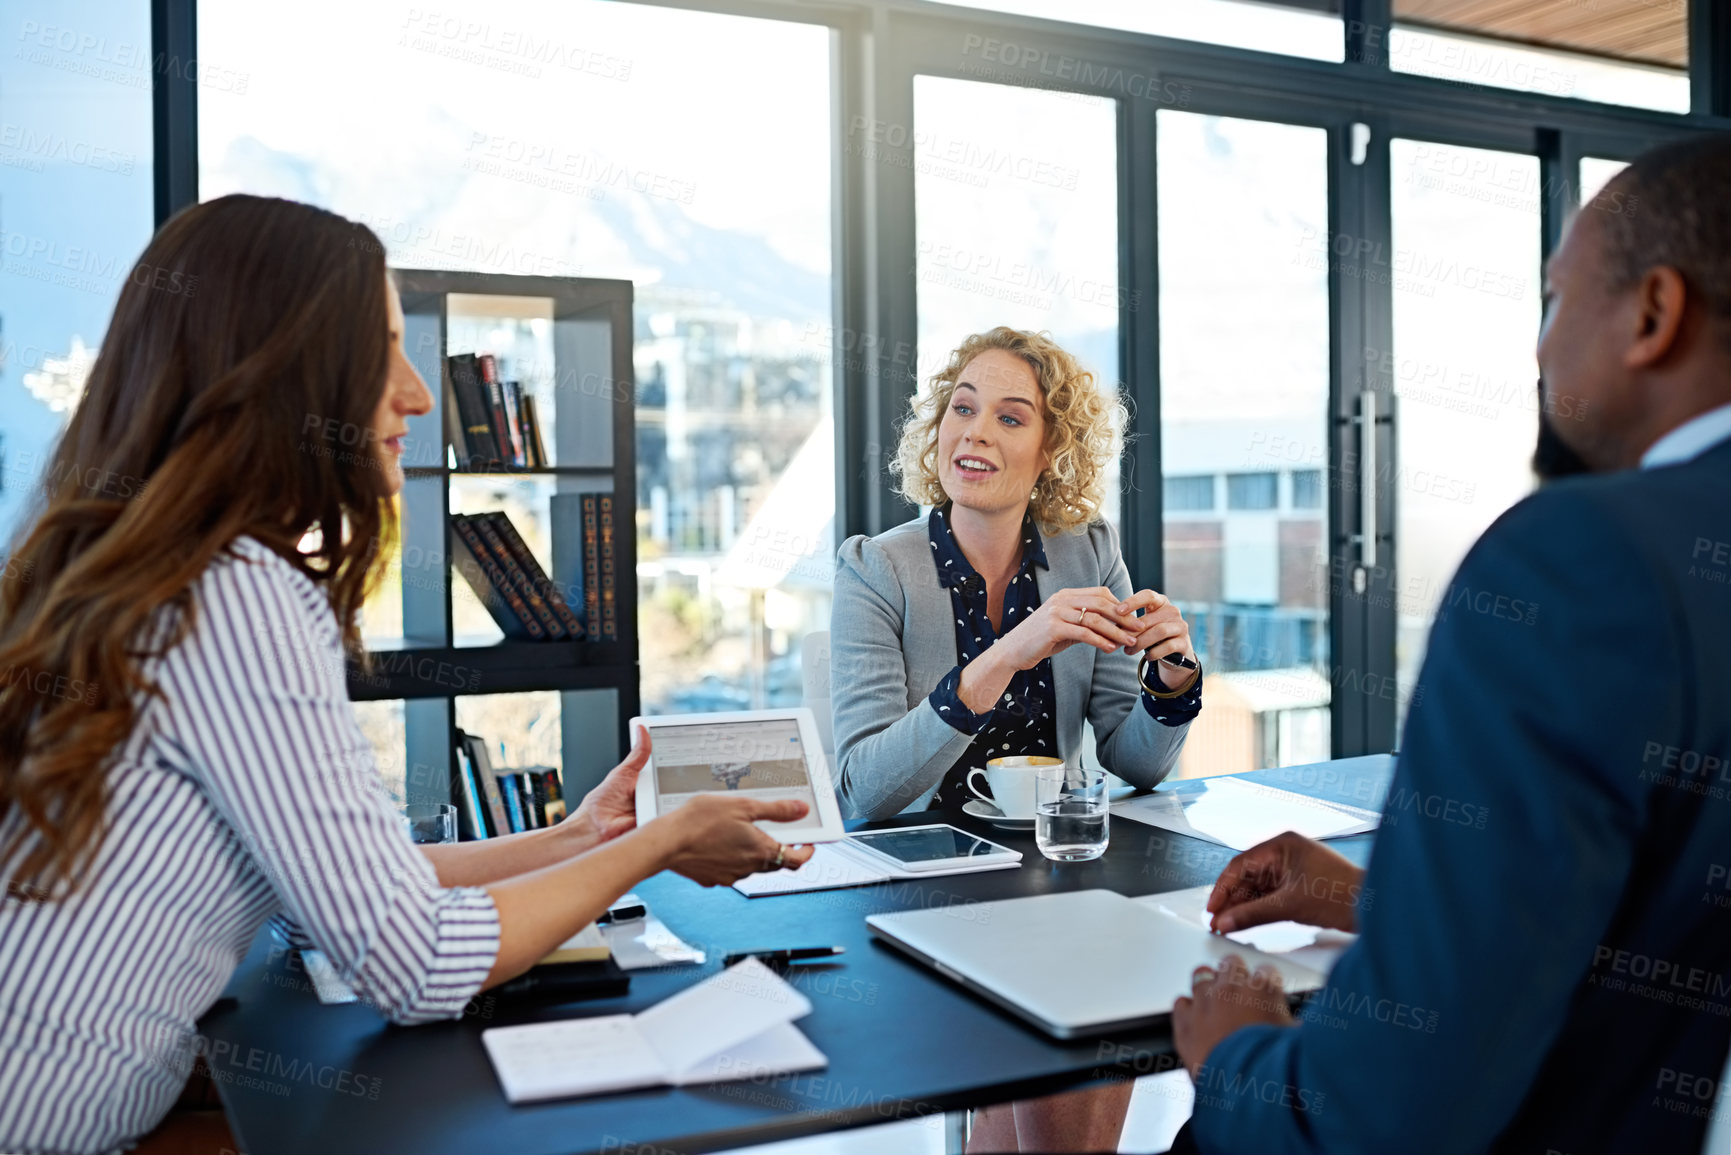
(766, 759)
(927, 845)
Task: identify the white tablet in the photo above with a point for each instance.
(937, 847)
(769, 754)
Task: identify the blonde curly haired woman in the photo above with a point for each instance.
(999, 622)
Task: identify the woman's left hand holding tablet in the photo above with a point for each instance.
(610, 809)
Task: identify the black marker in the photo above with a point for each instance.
(623, 913)
(783, 957)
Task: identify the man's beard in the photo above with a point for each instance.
(1552, 458)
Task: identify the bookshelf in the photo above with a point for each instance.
(578, 332)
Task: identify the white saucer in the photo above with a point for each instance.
(979, 809)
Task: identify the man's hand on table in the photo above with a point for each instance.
(1287, 877)
(1221, 1002)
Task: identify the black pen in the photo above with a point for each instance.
(625, 913)
(780, 957)
(1178, 660)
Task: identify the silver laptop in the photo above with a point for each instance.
(1086, 962)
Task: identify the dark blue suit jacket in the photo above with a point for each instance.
(1545, 953)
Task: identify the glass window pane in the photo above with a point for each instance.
(1467, 414)
(75, 187)
(1252, 490)
(1293, 28)
(383, 724)
(1189, 494)
(1016, 218)
(1307, 489)
(1637, 56)
(1596, 173)
(519, 729)
(1244, 332)
(577, 138)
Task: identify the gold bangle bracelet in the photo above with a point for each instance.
(1142, 678)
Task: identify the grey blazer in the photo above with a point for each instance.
(893, 638)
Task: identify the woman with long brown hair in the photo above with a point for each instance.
(179, 760)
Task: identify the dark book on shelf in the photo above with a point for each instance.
(537, 787)
(592, 566)
(532, 431)
(456, 436)
(565, 515)
(471, 812)
(532, 818)
(512, 790)
(498, 820)
(479, 450)
(512, 394)
(545, 586)
(521, 579)
(609, 582)
(472, 558)
(553, 793)
(503, 435)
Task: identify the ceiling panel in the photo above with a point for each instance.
(1644, 31)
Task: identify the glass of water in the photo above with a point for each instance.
(430, 823)
(1070, 813)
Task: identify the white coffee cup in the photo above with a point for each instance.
(1012, 782)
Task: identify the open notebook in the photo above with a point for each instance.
(736, 1025)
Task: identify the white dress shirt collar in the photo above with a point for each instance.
(1690, 439)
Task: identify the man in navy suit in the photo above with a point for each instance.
(1546, 965)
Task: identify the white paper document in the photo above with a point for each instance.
(736, 1025)
(1239, 814)
(1309, 946)
(640, 943)
(838, 864)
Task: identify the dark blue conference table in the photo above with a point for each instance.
(902, 1042)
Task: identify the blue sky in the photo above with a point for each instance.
(75, 196)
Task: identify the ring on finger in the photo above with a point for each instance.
(1202, 975)
(780, 858)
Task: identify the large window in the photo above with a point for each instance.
(687, 152)
(1466, 255)
(75, 211)
(1017, 220)
(1244, 322)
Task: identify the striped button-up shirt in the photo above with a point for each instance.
(245, 790)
